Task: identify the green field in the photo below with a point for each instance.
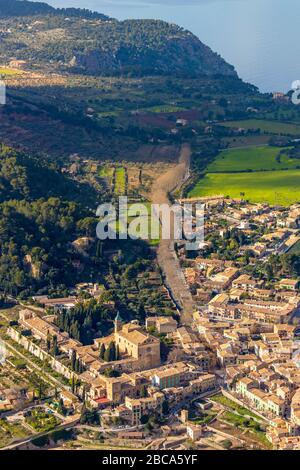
(120, 181)
(248, 426)
(273, 127)
(106, 172)
(164, 108)
(295, 250)
(11, 431)
(274, 187)
(256, 158)
(4, 71)
(222, 400)
(146, 223)
(105, 114)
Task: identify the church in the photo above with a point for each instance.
(134, 342)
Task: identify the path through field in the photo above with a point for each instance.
(167, 258)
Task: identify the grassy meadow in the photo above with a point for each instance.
(272, 127)
(255, 159)
(9, 72)
(274, 187)
(257, 174)
(166, 108)
(120, 181)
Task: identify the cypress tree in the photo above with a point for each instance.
(110, 353)
(48, 342)
(117, 353)
(113, 352)
(55, 350)
(73, 360)
(77, 365)
(102, 351)
(73, 384)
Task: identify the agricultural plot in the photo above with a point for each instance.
(9, 72)
(272, 127)
(14, 373)
(120, 181)
(247, 426)
(273, 187)
(226, 402)
(165, 108)
(255, 140)
(10, 432)
(240, 421)
(142, 223)
(107, 174)
(257, 174)
(295, 250)
(40, 420)
(134, 179)
(254, 159)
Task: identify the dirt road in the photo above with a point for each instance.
(167, 259)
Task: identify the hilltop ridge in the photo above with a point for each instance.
(80, 41)
(9, 8)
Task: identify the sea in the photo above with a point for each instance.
(261, 38)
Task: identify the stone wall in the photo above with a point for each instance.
(38, 352)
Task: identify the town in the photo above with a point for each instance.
(224, 376)
(120, 330)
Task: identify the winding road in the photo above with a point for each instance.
(173, 179)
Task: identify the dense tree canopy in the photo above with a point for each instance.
(38, 221)
(99, 47)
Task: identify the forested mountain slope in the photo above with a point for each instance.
(41, 213)
(25, 8)
(81, 41)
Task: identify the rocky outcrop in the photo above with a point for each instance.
(95, 62)
(177, 52)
